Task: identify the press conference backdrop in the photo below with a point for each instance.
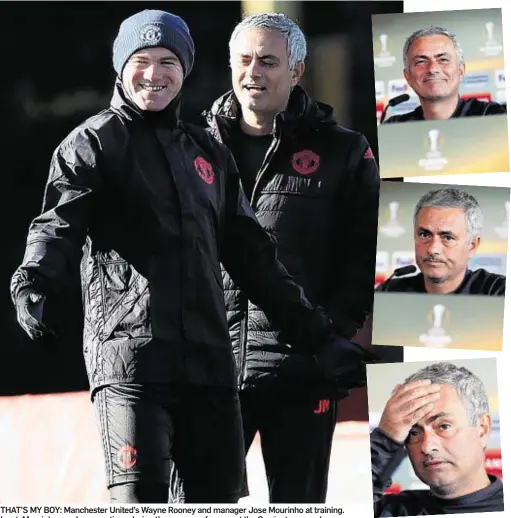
(396, 233)
(456, 146)
(438, 321)
(427, 320)
(382, 378)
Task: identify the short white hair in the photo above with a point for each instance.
(432, 31)
(295, 39)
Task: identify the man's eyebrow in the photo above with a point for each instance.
(436, 416)
(266, 56)
(442, 232)
(423, 56)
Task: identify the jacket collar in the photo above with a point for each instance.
(168, 118)
(301, 111)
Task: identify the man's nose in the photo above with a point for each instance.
(254, 69)
(429, 443)
(433, 67)
(152, 72)
(435, 246)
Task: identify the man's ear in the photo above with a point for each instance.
(406, 73)
(485, 424)
(462, 69)
(297, 73)
(474, 245)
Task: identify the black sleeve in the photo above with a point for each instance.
(384, 286)
(249, 256)
(386, 456)
(353, 237)
(494, 109)
(56, 236)
(499, 286)
(391, 120)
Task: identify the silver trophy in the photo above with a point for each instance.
(503, 230)
(490, 41)
(392, 228)
(384, 58)
(384, 41)
(492, 47)
(433, 136)
(436, 335)
(434, 159)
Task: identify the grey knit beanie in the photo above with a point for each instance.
(153, 28)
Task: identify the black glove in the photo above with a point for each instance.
(29, 310)
(344, 361)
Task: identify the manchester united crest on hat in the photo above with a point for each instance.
(150, 33)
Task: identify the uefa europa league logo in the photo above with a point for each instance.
(503, 230)
(490, 40)
(384, 57)
(492, 47)
(392, 228)
(393, 206)
(384, 40)
(436, 335)
(433, 141)
(434, 160)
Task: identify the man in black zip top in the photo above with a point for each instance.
(314, 186)
(448, 225)
(434, 66)
(156, 205)
(439, 417)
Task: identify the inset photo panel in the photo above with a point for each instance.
(435, 437)
(441, 257)
(440, 92)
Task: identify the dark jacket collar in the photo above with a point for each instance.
(418, 113)
(168, 118)
(302, 111)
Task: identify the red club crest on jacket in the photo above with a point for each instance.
(305, 162)
(205, 169)
(127, 457)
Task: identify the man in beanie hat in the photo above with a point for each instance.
(315, 186)
(155, 204)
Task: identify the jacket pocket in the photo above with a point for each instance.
(125, 298)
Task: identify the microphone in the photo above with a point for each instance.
(394, 102)
(400, 272)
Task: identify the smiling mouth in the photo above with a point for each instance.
(153, 88)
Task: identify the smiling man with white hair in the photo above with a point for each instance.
(434, 66)
(314, 186)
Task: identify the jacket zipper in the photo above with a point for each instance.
(266, 162)
(274, 146)
(244, 322)
(243, 347)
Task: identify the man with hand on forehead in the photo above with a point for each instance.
(440, 418)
